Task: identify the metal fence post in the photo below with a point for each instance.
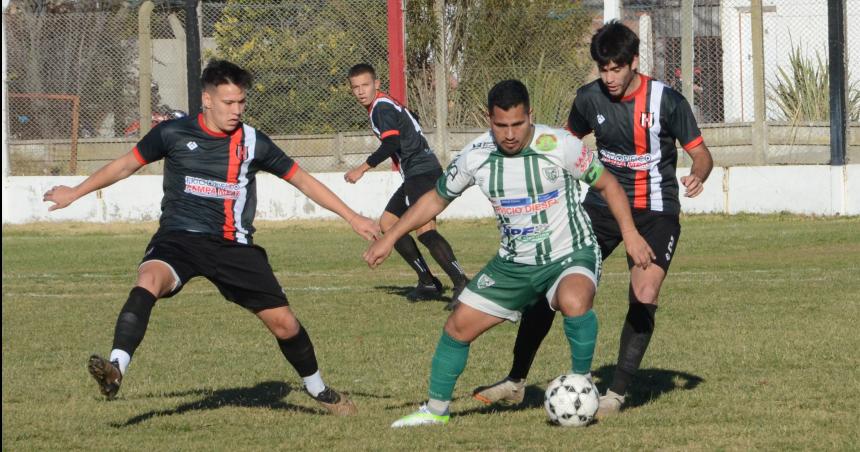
(836, 51)
(687, 50)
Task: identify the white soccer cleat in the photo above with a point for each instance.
(610, 404)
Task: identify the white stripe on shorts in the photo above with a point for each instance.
(486, 306)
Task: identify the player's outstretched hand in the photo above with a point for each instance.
(638, 249)
(365, 227)
(377, 253)
(60, 195)
(694, 186)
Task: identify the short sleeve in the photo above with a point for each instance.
(581, 162)
(456, 178)
(272, 159)
(152, 147)
(681, 122)
(576, 122)
(383, 118)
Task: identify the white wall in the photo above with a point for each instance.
(809, 189)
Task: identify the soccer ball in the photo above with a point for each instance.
(571, 400)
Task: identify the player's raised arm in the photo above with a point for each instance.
(427, 207)
(614, 195)
(320, 194)
(109, 174)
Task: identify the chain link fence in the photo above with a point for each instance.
(73, 79)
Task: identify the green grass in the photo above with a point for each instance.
(756, 347)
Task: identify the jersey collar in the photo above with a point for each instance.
(209, 131)
(643, 81)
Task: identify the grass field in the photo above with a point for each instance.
(756, 347)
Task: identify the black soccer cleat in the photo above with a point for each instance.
(107, 375)
(455, 297)
(432, 291)
(335, 403)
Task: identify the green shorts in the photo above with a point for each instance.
(504, 289)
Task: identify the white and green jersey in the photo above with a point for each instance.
(534, 194)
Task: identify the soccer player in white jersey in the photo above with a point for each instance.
(548, 251)
(636, 121)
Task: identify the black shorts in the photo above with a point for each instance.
(660, 230)
(412, 188)
(240, 272)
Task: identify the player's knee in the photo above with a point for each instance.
(645, 294)
(574, 305)
(156, 278)
(285, 327)
(428, 236)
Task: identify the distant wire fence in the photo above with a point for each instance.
(300, 51)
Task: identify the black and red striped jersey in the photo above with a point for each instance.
(209, 177)
(388, 118)
(635, 139)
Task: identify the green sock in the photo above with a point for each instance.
(581, 333)
(449, 360)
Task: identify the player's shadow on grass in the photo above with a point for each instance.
(648, 385)
(268, 394)
(401, 291)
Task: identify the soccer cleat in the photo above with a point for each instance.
(432, 291)
(505, 391)
(610, 404)
(106, 374)
(455, 297)
(336, 403)
(421, 417)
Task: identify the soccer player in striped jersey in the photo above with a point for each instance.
(636, 121)
(402, 140)
(206, 226)
(548, 251)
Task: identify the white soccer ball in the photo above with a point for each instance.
(571, 400)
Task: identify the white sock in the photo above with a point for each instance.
(314, 383)
(438, 407)
(122, 357)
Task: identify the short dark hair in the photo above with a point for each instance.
(508, 94)
(222, 72)
(361, 68)
(615, 43)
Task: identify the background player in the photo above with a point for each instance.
(206, 226)
(529, 173)
(404, 142)
(636, 121)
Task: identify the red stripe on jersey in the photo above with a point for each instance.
(694, 143)
(291, 172)
(139, 157)
(640, 143)
(207, 130)
(389, 133)
(232, 178)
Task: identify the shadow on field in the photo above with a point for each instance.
(401, 291)
(649, 385)
(268, 394)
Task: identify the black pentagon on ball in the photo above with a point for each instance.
(553, 392)
(577, 404)
(566, 416)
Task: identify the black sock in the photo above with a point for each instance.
(133, 320)
(441, 251)
(635, 336)
(299, 351)
(534, 326)
(409, 251)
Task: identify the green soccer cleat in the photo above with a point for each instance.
(421, 417)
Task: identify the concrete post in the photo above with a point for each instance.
(440, 77)
(144, 44)
(759, 127)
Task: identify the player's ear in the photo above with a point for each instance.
(634, 65)
(531, 115)
(206, 100)
(376, 84)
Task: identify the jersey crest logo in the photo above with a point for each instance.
(646, 119)
(191, 145)
(485, 281)
(551, 173)
(546, 142)
(600, 118)
(242, 152)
